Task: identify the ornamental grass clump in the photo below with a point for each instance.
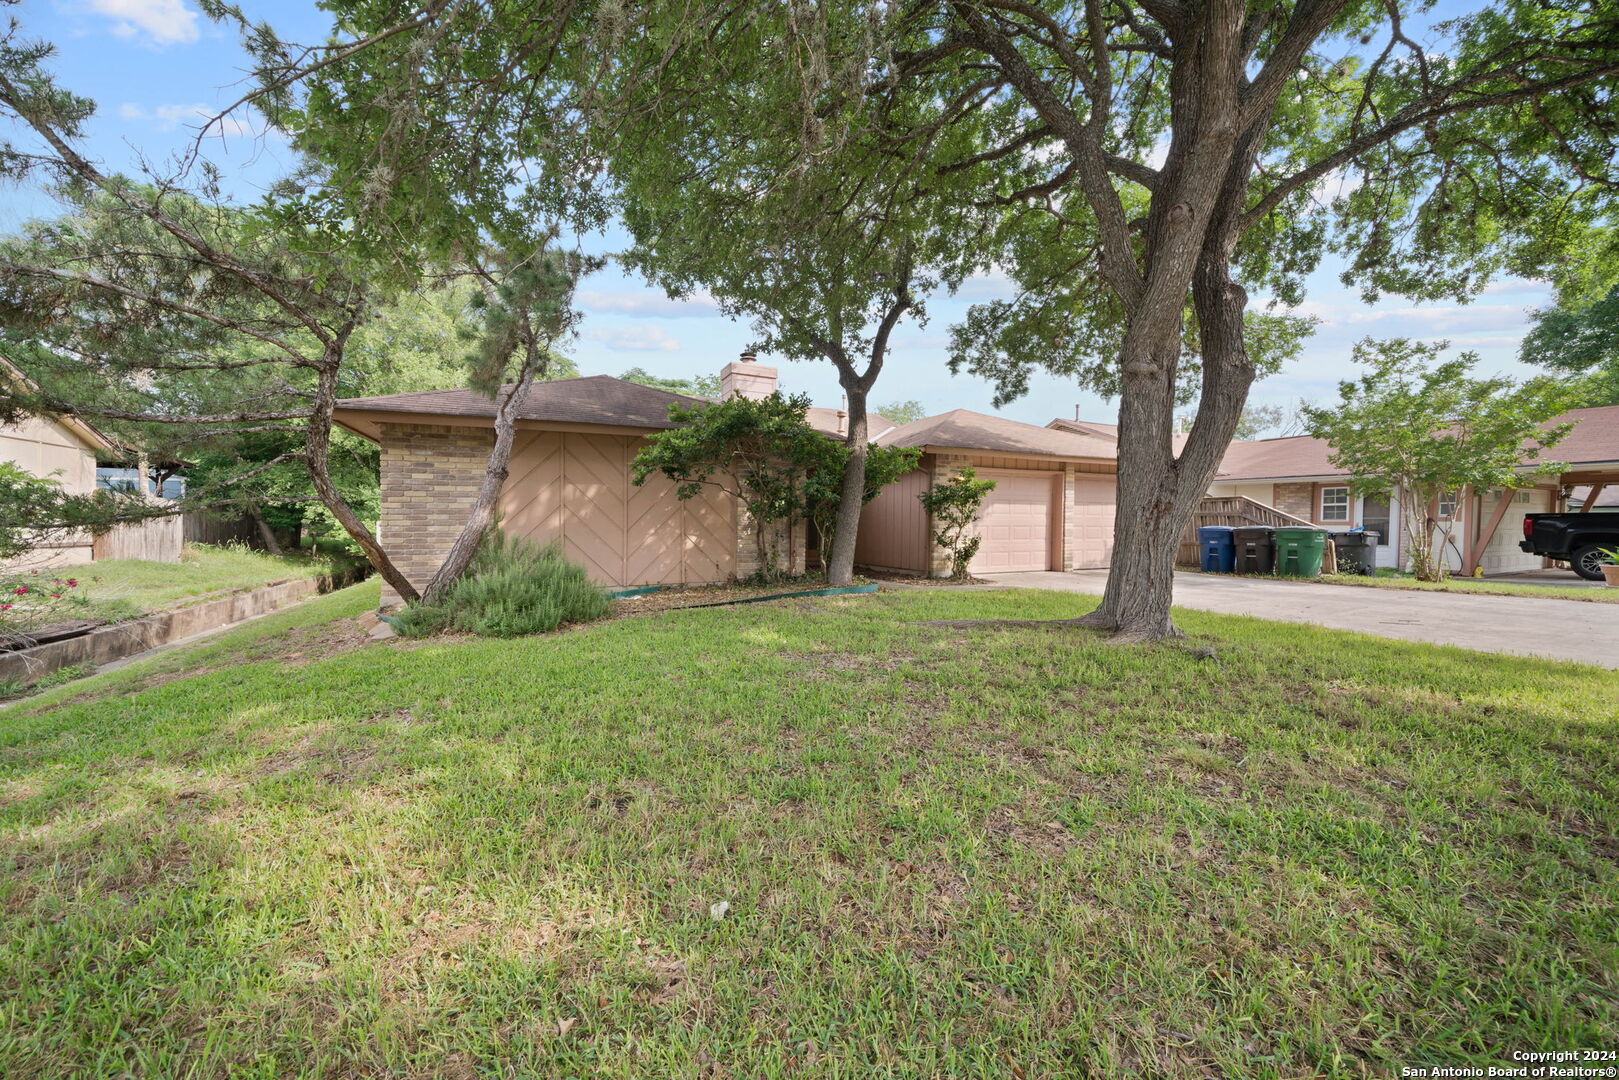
(514, 587)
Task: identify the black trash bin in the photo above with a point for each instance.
(1356, 552)
(1256, 549)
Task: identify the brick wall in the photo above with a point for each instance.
(1070, 518)
(944, 467)
(1296, 499)
(747, 552)
(430, 478)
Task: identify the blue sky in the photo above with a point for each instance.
(155, 66)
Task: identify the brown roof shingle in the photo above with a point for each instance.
(592, 399)
(1595, 439)
(969, 430)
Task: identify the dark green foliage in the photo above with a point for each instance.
(954, 507)
(515, 587)
(1579, 342)
(759, 452)
(696, 386)
(824, 484)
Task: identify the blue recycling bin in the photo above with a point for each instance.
(1219, 549)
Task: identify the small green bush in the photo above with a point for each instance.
(514, 587)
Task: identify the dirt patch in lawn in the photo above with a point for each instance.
(912, 579)
(684, 596)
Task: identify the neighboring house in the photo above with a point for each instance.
(1295, 476)
(61, 450)
(570, 482)
(122, 478)
(1110, 432)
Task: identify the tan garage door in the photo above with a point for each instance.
(1016, 524)
(1094, 500)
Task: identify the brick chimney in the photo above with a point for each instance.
(746, 377)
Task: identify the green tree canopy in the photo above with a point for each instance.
(902, 412)
(1579, 342)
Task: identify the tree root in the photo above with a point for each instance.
(1145, 636)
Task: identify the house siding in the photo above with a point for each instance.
(564, 487)
(894, 532)
(48, 449)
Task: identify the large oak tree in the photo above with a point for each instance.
(1164, 159)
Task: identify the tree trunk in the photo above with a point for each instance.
(852, 497)
(494, 478)
(1149, 514)
(267, 534)
(1158, 492)
(317, 458)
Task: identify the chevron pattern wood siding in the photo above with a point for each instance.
(576, 489)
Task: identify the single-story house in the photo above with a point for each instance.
(1052, 507)
(1294, 475)
(570, 482)
(63, 450)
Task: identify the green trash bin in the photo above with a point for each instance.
(1299, 551)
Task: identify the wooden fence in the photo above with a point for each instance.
(1235, 511)
(155, 540)
(207, 529)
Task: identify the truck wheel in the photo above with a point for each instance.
(1587, 562)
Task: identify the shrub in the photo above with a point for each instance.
(954, 507)
(514, 587)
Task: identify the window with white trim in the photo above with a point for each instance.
(1334, 504)
(1447, 506)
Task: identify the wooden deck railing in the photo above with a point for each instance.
(1235, 511)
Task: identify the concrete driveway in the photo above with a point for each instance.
(1526, 626)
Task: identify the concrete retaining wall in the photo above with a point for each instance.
(108, 643)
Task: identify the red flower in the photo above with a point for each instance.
(20, 590)
(56, 596)
(5, 607)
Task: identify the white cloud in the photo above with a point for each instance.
(194, 116)
(647, 304)
(163, 22)
(992, 284)
(635, 339)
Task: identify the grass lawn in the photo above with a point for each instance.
(949, 852)
(1473, 585)
(203, 568)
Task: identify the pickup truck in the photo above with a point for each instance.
(1577, 539)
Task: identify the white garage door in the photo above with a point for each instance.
(1094, 500)
(1502, 555)
(1016, 524)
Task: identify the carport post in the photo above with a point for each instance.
(1591, 497)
